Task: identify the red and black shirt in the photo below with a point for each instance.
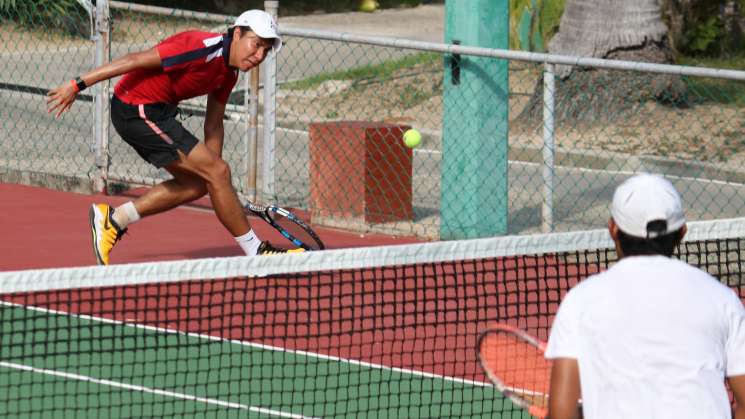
(193, 63)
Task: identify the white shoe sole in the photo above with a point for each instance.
(96, 219)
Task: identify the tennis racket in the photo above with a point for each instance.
(513, 360)
(288, 224)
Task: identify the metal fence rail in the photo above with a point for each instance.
(563, 167)
(571, 140)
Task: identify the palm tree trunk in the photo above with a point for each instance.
(607, 24)
(614, 29)
(593, 28)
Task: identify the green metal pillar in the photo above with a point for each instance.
(475, 123)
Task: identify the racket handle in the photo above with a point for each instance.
(537, 411)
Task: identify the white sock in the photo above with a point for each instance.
(249, 243)
(126, 214)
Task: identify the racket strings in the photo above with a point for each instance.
(519, 366)
(294, 229)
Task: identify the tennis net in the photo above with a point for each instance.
(383, 332)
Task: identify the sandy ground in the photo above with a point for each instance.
(423, 23)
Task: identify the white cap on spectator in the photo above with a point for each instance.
(262, 24)
(644, 198)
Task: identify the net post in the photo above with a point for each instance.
(101, 107)
(549, 149)
(270, 113)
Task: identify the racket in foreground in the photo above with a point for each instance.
(288, 224)
(513, 360)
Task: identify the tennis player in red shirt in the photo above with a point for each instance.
(143, 111)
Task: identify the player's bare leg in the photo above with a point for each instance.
(195, 175)
(205, 164)
(183, 188)
(108, 225)
(204, 172)
(201, 172)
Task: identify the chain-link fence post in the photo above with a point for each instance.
(101, 95)
(270, 113)
(251, 103)
(549, 149)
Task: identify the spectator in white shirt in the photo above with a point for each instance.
(651, 337)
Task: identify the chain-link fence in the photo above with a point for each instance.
(37, 148)
(42, 44)
(572, 139)
(342, 102)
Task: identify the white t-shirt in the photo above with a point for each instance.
(654, 338)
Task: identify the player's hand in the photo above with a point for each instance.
(60, 99)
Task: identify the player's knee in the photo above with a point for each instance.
(219, 172)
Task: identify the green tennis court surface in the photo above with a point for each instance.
(97, 368)
(368, 332)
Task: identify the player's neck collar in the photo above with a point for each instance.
(227, 40)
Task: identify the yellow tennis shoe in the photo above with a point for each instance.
(265, 248)
(105, 232)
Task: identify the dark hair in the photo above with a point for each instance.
(654, 244)
(244, 30)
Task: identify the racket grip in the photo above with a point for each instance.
(538, 412)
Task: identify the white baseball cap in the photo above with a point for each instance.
(644, 198)
(262, 24)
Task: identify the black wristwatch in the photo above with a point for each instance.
(81, 84)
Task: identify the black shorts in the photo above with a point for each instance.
(152, 130)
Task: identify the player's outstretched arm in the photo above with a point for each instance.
(60, 99)
(737, 384)
(565, 390)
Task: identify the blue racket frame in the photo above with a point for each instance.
(267, 213)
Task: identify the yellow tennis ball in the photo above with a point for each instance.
(368, 6)
(412, 138)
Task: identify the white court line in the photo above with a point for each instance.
(257, 345)
(159, 392)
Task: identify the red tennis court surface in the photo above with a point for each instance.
(44, 228)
